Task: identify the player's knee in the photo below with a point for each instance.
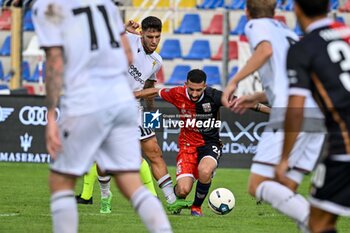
(205, 173)
(252, 189)
(154, 153)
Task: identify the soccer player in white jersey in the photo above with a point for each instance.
(269, 40)
(88, 65)
(142, 74)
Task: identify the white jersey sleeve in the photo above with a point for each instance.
(255, 31)
(48, 19)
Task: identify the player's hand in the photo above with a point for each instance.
(281, 170)
(132, 26)
(53, 141)
(241, 104)
(227, 96)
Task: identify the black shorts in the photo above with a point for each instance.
(331, 187)
(213, 150)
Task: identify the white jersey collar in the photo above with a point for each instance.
(318, 24)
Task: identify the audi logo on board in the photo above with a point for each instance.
(35, 115)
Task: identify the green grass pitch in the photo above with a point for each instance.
(24, 207)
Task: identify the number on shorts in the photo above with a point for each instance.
(217, 151)
(319, 176)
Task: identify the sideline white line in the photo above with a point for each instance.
(8, 214)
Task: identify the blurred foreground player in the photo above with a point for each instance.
(98, 120)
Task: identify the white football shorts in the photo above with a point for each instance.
(303, 157)
(108, 137)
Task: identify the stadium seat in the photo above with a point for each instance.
(190, 23)
(345, 7)
(298, 30)
(171, 49)
(211, 4)
(215, 26)
(1, 71)
(239, 30)
(213, 75)
(179, 75)
(187, 3)
(200, 50)
(36, 75)
(236, 5)
(5, 20)
(281, 18)
(334, 4)
(6, 47)
(27, 21)
(233, 72)
(25, 70)
(288, 5)
(232, 53)
(340, 19)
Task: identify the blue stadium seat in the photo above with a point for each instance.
(190, 23)
(236, 5)
(298, 30)
(239, 30)
(200, 50)
(334, 4)
(27, 21)
(6, 47)
(36, 74)
(1, 71)
(25, 70)
(213, 75)
(340, 19)
(211, 4)
(171, 49)
(179, 75)
(288, 5)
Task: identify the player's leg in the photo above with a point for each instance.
(147, 206)
(88, 187)
(106, 194)
(120, 155)
(321, 221)
(208, 156)
(262, 186)
(159, 169)
(146, 177)
(64, 209)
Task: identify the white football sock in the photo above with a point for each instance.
(283, 199)
(151, 211)
(64, 212)
(105, 185)
(166, 184)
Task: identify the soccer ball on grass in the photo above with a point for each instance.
(221, 201)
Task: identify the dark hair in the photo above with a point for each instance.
(151, 22)
(261, 8)
(312, 8)
(197, 76)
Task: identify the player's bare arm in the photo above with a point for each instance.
(241, 104)
(149, 100)
(292, 127)
(53, 85)
(261, 55)
(147, 93)
(127, 48)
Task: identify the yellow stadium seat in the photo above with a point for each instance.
(187, 3)
(163, 4)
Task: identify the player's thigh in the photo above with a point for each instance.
(81, 137)
(151, 148)
(121, 151)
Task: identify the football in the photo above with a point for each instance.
(221, 201)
